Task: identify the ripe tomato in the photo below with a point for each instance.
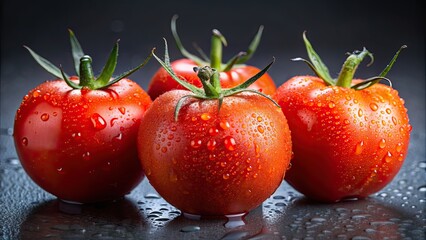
(347, 141)
(233, 73)
(206, 161)
(77, 142)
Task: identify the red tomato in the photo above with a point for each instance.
(232, 73)
(214, 163)
(80, 145)
(76, 137)
(161, 82)
(348, 142)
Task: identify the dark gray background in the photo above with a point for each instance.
(333, 27)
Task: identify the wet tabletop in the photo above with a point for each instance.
(27, 212)
(396, 212)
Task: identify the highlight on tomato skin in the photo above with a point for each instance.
(76, 136)
(350, 136)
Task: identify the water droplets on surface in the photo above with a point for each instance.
(24, 141)
(98, 121)
(44, 117)
(235, 220)
(359, 148)
(190, 228)
(230, 143)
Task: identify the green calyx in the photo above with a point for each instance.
(348, 69)
(83, 67)
(217, 42)
(211, 85)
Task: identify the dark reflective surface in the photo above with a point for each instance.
(396, 212)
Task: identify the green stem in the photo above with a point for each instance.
(216, 49)
(87, 78)
(207, 76)
(349, 67)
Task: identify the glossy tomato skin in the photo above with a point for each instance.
(214, 163)
(80, 145)
(346, 143)
(162, 82)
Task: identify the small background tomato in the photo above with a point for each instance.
(80, 145)
(161, 82)
(214, 163)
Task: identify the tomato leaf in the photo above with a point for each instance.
(126, 74)
(252, 47)
(69, 82)
(321, 68)
(48, 66)
(166, 65)
(76, 50)
(109, 67)
(233, 61)
(180, 46)
(370, 82)
(246, 84)
(389, 66)
(201, 52)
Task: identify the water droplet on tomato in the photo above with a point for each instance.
(194, 119)
(113, 121)
(60, 170)
(196, 143)
(400, 157)
(331, 104)
(257, 149)
(260, 129)
(394, 120)
(225, 176)
(122, 110)
(211, 144)
(164, 149)
(24, 141)
(44, 117)
(230, 143)
(170, 137)
(98, 121)
(373, 106)
(46, 96)
(259, 119)
(205, 116)
(224, 125)
(388, 157)
(360, 112)
(359, 148)
(118, 137)
(213, 131)
(36, 93)
(388, 111)
(86, 156)
(382, 143)
(399, 147)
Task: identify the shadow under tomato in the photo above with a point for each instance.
(369, 217)
(57, 219)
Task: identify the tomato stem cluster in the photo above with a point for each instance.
(83, 67)
(217, 43)
(348, 69)
(209, 78)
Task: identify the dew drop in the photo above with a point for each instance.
(211, 144)
(24, 141)
(98, 121)
(359, 148)
(399, 147)
(224, 125)
(388, 157)
(360, 113)
(36, 93)
(213, 131)
(229, 143)
(225, 176)
(173, 177)
(44, 117)
(122, 110)
(260, 129)
(113, 121)
(394, 120)
(331, 105)
(190, 228)
(164, 149)
(422, 165)
(195, 143)
(382, 143)
(373, 106)
(235, 220)
(86, 156)
(205, 116)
